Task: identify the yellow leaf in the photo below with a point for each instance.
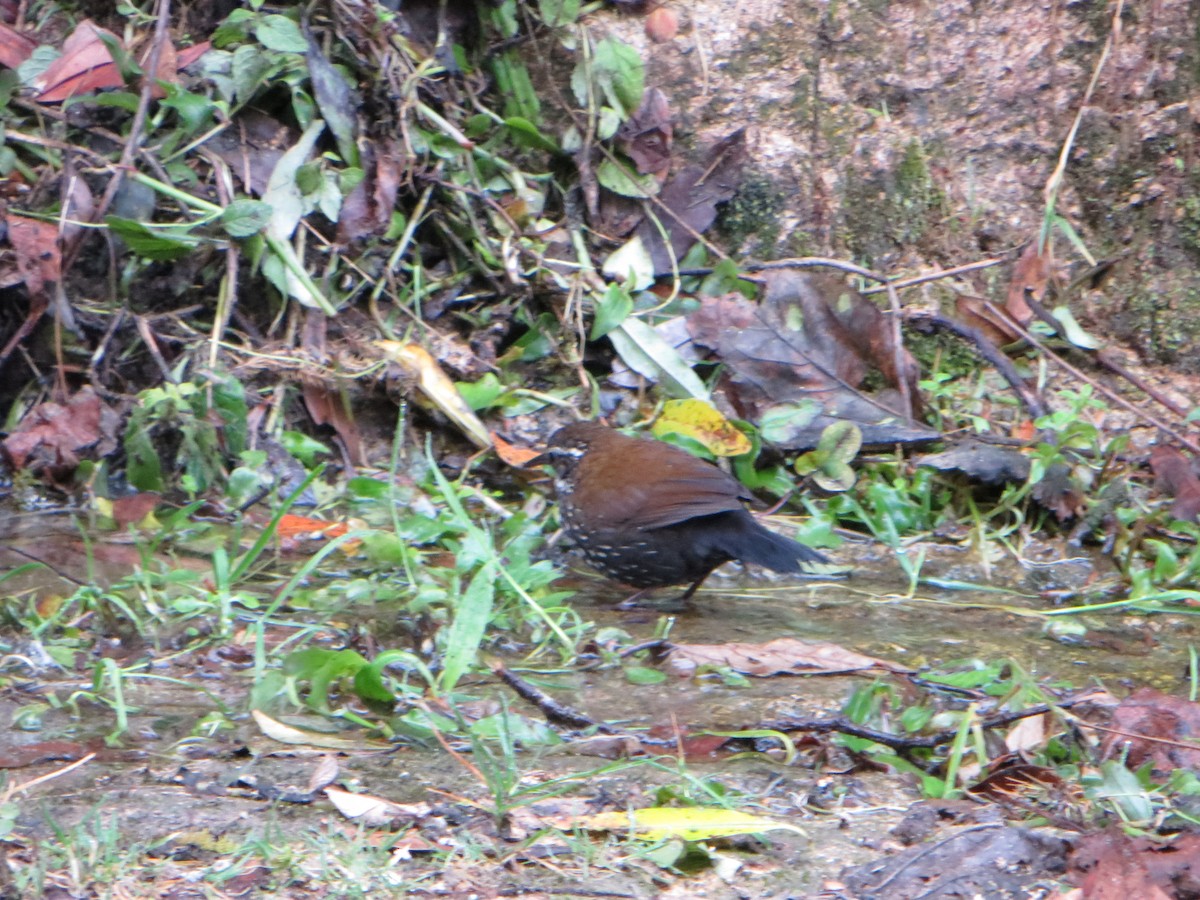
(436, 385)
(658, 822)
(701, 422)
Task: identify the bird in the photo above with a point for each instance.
(650, 514)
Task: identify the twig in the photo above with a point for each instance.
(843, 725)
(988, 351)
(554, 711)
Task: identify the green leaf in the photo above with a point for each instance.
(779, 423)
(280, 33)
(143, 468)
(529, 136)
(303, 447)
(841, 441)
(321, 668)
(194, 110)
(243, 218)
(516, 87)
(611, 310)
(644, 675)
(621, 179)
(146, 242)
(556, 13)
(469, 626)
(620, 74)
(249, 68)
(125, 100)
(644, 351)
(834, 476)
(1073, 331)
(481, 394)
(631, 264)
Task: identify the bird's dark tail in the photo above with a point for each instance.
(753, 543)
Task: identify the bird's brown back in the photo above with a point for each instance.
(626, 482)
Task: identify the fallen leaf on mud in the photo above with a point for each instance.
(374, 812)
(976, 861)
(975, 312)
(367, 209)
(133, 509)
(1030, 273)
(86, 65)
(512, 455)
(15, 47)
(1009, 782)
(646, 137)
(687, 823)
(1111, 865)
(1157, 728)
(287, 734)
(328, 407)
(251, 147)
(52, 437)
(782, 656)
(1175, 477)
(986, 463)
(35, 246)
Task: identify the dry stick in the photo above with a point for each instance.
(555, 711)
(991, 353)
(928, 742)
(1107, 392)
(902, 283)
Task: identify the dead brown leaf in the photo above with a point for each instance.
(15, 47)
(1111, 865)
(52, 437)
(646, 137)
(782, 656)
(367, 210)
(1175, 477)
(511, 454)
(35, 245)
(86, 65)
(810, 342)
(1155, 727)
(1031, 273)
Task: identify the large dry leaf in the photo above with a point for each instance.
(86, 65)
(1031, 273)
(374, 812)
(1156, 728)
(15, 47)
(52, 437)
(782, 656)
(430, 379)
(809, 343)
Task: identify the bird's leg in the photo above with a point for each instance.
(687, 595)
